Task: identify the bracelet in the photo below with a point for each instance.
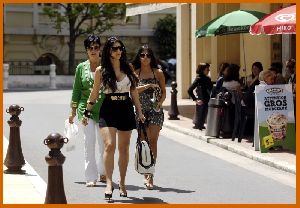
(87, 113)
(90, 102)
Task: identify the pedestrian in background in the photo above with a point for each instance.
(267, 77)
(84, 80)
(291, 70)
(253, 79)
(118, 81)
(277, 68)
(152, 92)
(203, 86)
(219, 82)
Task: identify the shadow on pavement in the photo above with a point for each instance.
(133, 188)
(144, 200)
(161, 189)
(28, 174)
(97, 185)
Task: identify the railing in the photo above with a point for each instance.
(24, 67)
(42, 69)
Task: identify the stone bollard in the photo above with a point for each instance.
(14, 159)
(52, 76)
(5, 76)
(55, 189)
(173, 111)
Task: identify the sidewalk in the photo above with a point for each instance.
(22, 189)
(281, 160)
(31, 189)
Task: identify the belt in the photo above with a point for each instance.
(117, 96)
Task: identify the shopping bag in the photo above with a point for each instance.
(71, 132)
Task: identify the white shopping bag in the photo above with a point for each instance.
(71, 132)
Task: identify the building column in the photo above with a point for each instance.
(196, 23)
(183, 66)
(286, 50)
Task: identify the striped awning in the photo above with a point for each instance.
(135, 9)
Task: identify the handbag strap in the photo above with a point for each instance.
(142, 129)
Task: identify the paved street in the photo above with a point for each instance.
(188, 170)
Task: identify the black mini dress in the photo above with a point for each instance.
(117, 108)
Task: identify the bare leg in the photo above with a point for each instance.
(109, 139)
(123, 146)
(153, 137)
(153, 133)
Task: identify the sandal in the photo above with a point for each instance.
(122, 193)
(149, 183)
(108, 195)
(102, 179)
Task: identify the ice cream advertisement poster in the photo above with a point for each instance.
(275, 114)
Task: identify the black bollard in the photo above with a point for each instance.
(55, 188)
(14, 159)
(173, 111)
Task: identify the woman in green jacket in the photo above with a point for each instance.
(83, 83)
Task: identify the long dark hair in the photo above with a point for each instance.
(259, 66)
(201, 67)
(233, 73)
(137, 61)
(222, 68)
(108, 74)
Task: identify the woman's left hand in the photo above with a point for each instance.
(141, 117)
(159, 104)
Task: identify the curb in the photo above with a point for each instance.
(234, 148)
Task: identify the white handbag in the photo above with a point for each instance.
(144, 160)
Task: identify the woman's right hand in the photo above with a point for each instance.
(71, 119)
(84, 121)
(199, 102)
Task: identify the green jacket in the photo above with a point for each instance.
(82, 87)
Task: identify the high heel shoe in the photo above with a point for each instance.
(109, 195)
(122, 194)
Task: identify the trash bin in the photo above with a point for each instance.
(215, 107)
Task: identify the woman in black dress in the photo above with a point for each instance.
(117, 80)
(203, 86)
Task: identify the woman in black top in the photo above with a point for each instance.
(203, 86)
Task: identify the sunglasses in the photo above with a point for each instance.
(114, 49)
(143, 55)
(96, 48)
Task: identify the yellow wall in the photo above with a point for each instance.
(230, 48)
(257, 47)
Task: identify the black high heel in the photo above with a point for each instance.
(122, 194)
(109, 195)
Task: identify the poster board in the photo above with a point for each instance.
(274, 118)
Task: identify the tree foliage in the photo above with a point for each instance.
(84, 19)
(165, 36)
